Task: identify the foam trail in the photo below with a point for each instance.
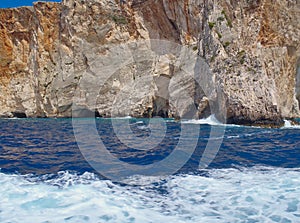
(228, 195)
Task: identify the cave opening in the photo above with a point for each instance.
(18, 114)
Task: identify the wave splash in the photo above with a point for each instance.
(211, 120)
(288, 125)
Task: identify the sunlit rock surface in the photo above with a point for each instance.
(183, 59)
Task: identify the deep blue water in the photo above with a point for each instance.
(42, 146)
(46, 172)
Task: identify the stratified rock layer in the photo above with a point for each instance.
(186, 59)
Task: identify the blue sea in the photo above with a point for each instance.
(151, 170)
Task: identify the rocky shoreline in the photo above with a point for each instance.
(181, 59)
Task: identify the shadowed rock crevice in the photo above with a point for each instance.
(160, 107)
(18, 114)
(297, 88)
(83, 112)
(161, 99)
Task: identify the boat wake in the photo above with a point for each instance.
(256, 194)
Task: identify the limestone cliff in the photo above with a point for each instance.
(144, 58)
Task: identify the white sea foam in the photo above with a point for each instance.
(226, 195)
(139, 122)
(245, 135)
(125, 117)
(143, 127)
(211, 120)
(288, 125)
(13, 118)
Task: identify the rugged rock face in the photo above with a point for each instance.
(185, 58)
(29, 40)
